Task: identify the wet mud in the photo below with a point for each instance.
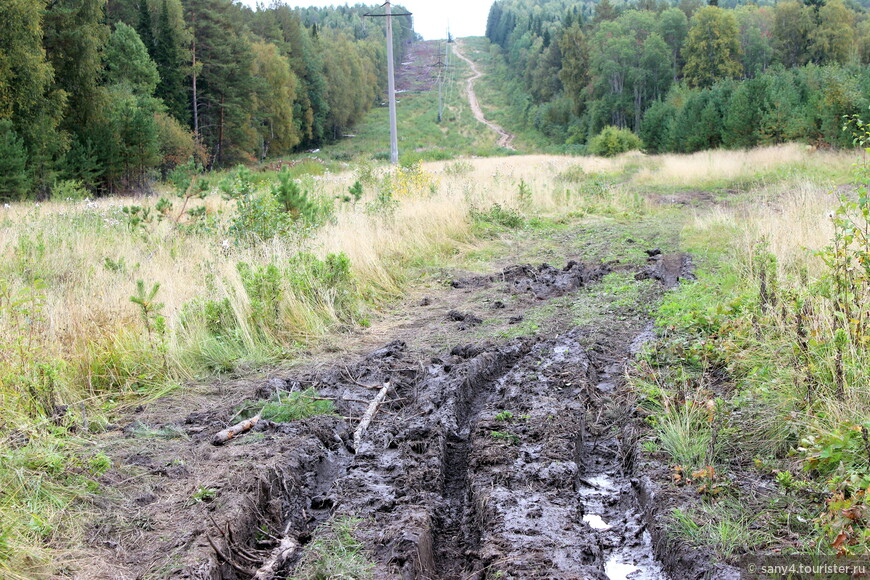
(491, 459)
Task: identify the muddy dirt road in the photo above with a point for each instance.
(496, 453)
(505, 139)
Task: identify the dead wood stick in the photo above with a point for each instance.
(229, 561)
(285, 550)
(236, 429)
(355, 400)
(349, 376)
(369, 415)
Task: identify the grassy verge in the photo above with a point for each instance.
(757, 392)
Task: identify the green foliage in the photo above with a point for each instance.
(286, 407)
(14, 176)
(843, 455)
(68, 190)
(31, 107)
(127, 61)
(336, 553)
(509, 438)
(168, 51)
(524, 193)
(155, 323)
(712, 49)
(203, 494)
(504, 416)
(613, 141)
(614, 70)
(356, 190)
(497, 217)
(296, 203)
(258, 217)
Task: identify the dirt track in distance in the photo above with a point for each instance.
(505, 139)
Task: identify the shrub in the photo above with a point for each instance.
(613, 141)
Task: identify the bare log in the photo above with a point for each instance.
(285, 550)
(369, 415)
(235, 430)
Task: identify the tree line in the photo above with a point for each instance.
(685, 76)
(105, 94)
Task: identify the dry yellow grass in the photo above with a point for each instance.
(708, 167)
(791, 218)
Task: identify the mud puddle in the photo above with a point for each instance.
(489, 459)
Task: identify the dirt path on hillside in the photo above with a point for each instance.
(505, 139)
(503, 449)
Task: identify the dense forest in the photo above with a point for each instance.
(685, 76)
(104, 94)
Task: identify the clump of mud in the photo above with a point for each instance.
(669, 269)
(546, 281)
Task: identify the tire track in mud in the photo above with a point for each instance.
(498, 464)
(495, 459)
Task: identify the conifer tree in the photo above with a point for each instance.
(145, 28)
(168, 57)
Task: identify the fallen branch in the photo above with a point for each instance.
(285, 550)
(226, 559)
(369, 415)
(349, 377)
(235, 430)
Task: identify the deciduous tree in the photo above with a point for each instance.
(712, 48)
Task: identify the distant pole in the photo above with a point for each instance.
(440, 100)
(391, 82)
(447, 48)
(440, 65)
(391, 89)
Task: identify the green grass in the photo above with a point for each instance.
(335, 553)
(726, 527)
(420, 136)
(685, 434)
(286, 407)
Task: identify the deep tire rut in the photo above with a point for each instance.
(504, 459)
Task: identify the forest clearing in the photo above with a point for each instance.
(541, 346)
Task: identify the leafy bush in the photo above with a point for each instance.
(612, 141)
(496, 216)
(258, 217)
(68, 190)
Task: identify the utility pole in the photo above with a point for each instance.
(391, 80)
(447, 47)
(440, 66)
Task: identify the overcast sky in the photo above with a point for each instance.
(431, 17)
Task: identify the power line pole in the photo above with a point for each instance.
(440, 66)
(391, 80)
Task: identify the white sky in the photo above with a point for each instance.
(431, 17)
